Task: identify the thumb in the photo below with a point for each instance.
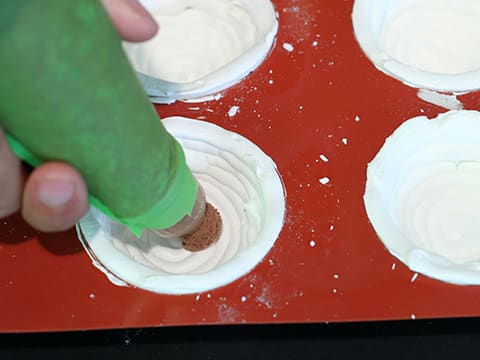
(54, 198)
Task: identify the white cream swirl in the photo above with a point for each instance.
(422, 195)
(203, 45)
(428, 44)
(239, 180)
(434, 35)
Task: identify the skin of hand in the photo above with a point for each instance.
(53, 197)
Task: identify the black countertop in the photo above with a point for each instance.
(415, 339)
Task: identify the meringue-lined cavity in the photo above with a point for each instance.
(239, 180)
(422, 195)
(428, 44)
(434, 35)
(203, 46)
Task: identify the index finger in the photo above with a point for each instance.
(132, 21)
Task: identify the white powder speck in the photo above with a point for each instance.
(336, 276)
(287, 46)
(300, 107)
(312, 243)
(270, 81)
(414, 277)
(243, 298)
(233, 110)
(345, 141)
(92, 296)
(270, 262)
(394, 266)
(334, 291)
(413, 317)
(197, 297)
(270, 71)
(315, 43)
(331, 227)
(194, 108)
(357, 118)
(324, 181)
(274, 315)
(209, 296)
(323, 158)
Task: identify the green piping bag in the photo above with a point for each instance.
(68, 93)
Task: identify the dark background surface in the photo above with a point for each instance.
(416, 339)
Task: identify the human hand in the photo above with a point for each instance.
(53, 197)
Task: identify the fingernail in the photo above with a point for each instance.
(55, 193)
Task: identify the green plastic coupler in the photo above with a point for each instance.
(68, 93)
